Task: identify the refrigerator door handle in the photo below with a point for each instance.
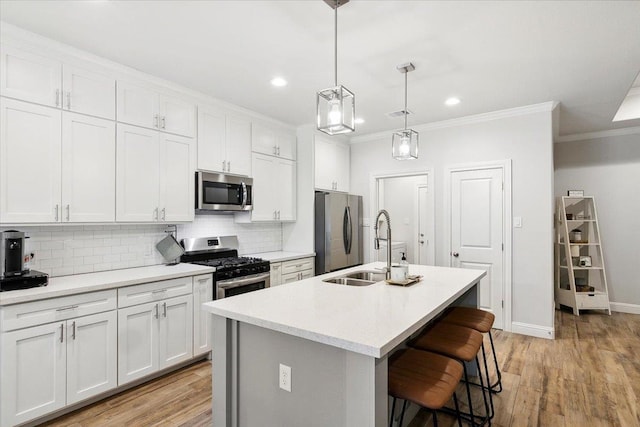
(347, 230)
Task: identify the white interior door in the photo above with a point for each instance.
(477, 232)
(424, 227)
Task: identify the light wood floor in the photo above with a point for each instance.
(588, 376)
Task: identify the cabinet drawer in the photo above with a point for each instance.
(52, 310)
(154, 291)
(299, 275)
(597, 301)
(297, 265)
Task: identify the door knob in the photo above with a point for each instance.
(422, 242)
(455, 254)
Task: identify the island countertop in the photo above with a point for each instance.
(369, 320)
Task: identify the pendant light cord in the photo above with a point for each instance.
(335, 44)
(405, 99)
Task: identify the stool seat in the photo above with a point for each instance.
(425, 378)
(452, 340)
(473, 318)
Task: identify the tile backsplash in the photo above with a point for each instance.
(62, 250)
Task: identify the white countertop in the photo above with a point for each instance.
(280, 256)
(81, 283)
(370, 320)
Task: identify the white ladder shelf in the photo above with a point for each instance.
(580, 277)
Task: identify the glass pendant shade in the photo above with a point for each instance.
(336, 107)
(404, 144)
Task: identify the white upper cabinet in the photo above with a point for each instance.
(144, 106)
(287, 187)
(88, 92)
(274, 142)
(88, 169)
(30, 77)
(224, 142)
(177, 157)
(331, 165)
(30, 163)
(273, 189)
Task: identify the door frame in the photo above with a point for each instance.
(374, 179)
(431, 253)
(507, 230)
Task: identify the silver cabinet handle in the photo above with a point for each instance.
(229, 166)
(158, 291)
(57, 213)
(73, 330)
(278, 214)
(203, 280)
(68, 209)
(155, 214)
(71, 307)
(245, 194)
(164, 123)
(224, 166)
(164, 213)
(57, 97)
(156, 313)
(62, 332)
(155, 121)
(164, 309)
(275, 150)
(68, 100)
(274, 215)
(278, 150)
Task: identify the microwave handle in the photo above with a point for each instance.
(244, 195)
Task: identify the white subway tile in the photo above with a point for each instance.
(62, 271)
(82, 269)
(95, 259)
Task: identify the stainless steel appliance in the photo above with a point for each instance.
(234, 275)
(338, 231)
(220, 192)
(13, 274)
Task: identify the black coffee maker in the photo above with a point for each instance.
(13, 274)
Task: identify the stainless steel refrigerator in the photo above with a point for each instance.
(338, 231)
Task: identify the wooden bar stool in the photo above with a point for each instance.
(481, 321)
(424, 378)
(462, 344)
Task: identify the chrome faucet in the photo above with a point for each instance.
(376, 241)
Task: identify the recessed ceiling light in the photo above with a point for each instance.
(278, 82)
(359, 120)
(452, 101)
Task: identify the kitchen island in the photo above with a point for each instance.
(335, 338)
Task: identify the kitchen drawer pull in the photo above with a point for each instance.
(159, 291)
(203, 280)
(71, 307)
(299, 265)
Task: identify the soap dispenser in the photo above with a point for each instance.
(405, 265)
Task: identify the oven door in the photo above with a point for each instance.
(241, 285)
(219, 192)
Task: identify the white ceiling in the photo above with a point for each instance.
(492, 55)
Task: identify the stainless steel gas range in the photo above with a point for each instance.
(234, 275)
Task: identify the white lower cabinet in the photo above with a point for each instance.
(202, 322)
(153, 336)
(44, 368)
(291, 271)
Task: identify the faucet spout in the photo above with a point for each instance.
(376, 241)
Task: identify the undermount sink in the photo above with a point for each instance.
(357, 278)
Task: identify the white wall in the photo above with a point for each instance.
(609, 169)
(522, 135)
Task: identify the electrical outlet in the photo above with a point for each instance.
(285, 377)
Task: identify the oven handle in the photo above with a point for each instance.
(247, 280)
(244, 195)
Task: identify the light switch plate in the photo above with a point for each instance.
(285, 377)
(517, 221)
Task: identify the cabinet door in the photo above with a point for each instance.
(263, 139)
(33, 372)
(30, 149)
(137, 174)
(88, 92)
(291, 277)
(286, 172)
(286, 142)
(276, 274)
(211, 140)
(325, 164)
(177, 191)
(88, 169)
(177, 116)
(202, 292)
(342, 169)
(137, 105)
(265, 188)
(92, 352)
(306, 274)
(30, 77)
(238, 145)
(137, 341)
(176, 330)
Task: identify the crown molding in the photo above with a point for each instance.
(18, 37)
(596, 135)
(467, 120)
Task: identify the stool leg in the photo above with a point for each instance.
(466, 381)
(486, 371)
(455, 402)
(393, 408)
(404, 406)
(498, 383)
(482, 389)
(435, 419)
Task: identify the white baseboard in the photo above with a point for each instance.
(533, 330)
(623, 307)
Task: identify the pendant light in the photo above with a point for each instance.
(335, 106)
(404, 143)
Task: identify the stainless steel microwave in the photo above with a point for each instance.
(220, 192)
